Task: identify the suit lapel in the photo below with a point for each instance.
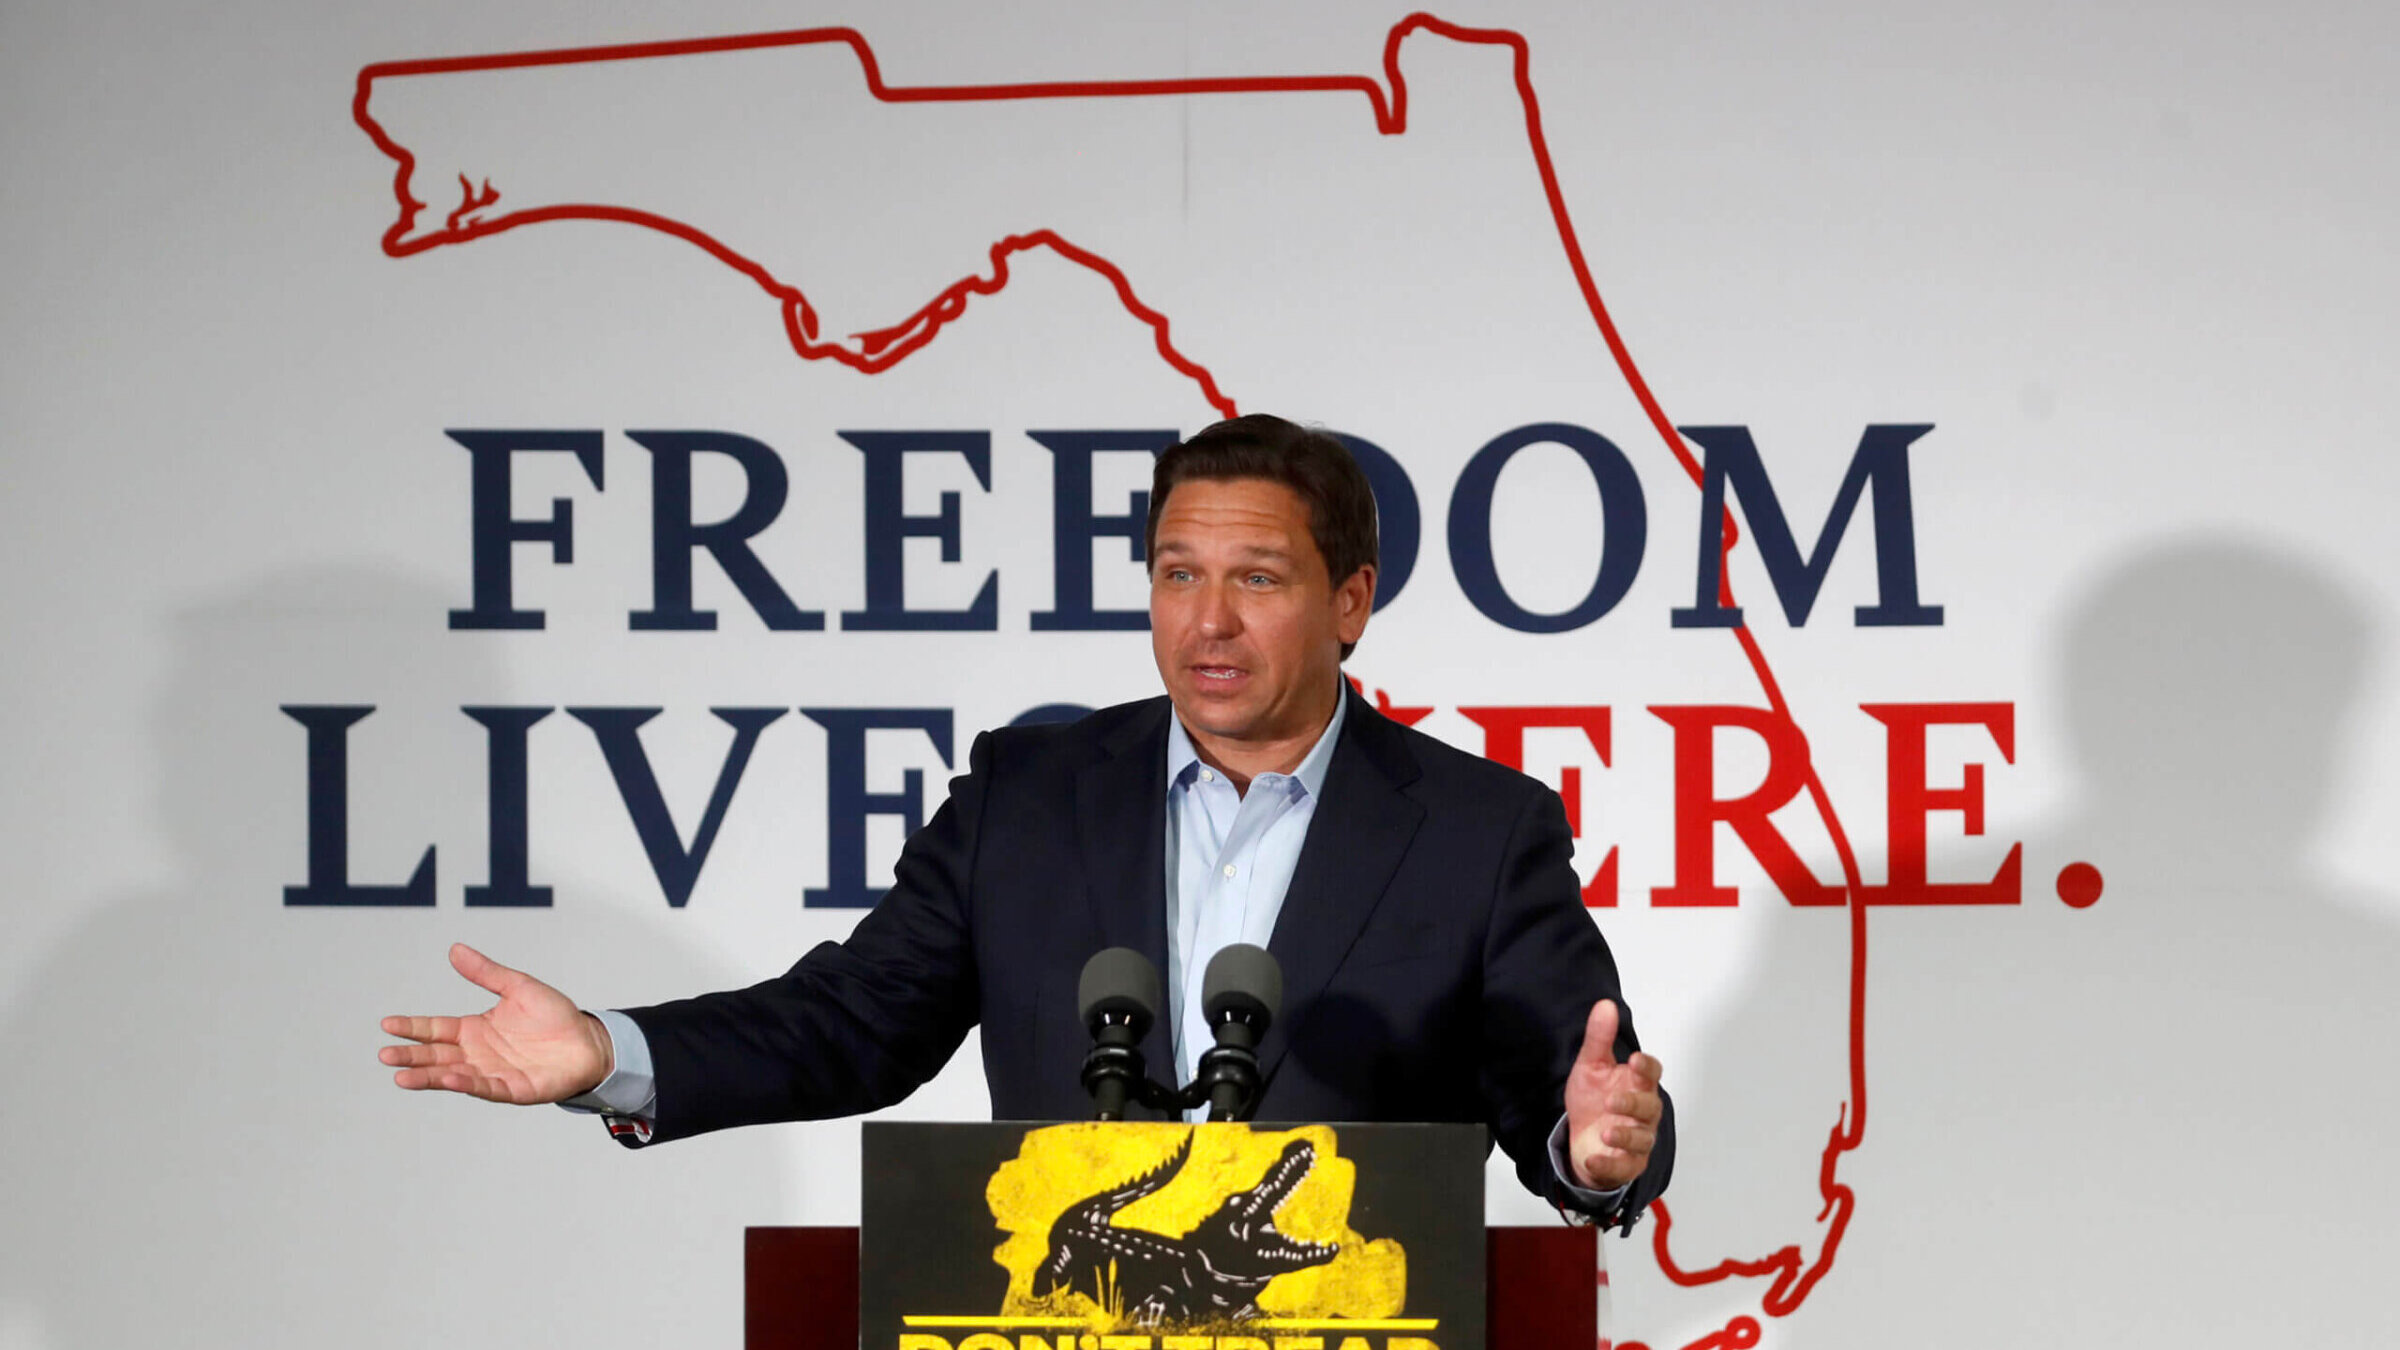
(1120, 818)
(1361, 829)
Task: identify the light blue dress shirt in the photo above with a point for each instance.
(1230, 857)
(631, 1088)
(1229, 861)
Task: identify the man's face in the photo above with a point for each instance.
(1245, 623)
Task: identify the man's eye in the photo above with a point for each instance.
(1260, 579)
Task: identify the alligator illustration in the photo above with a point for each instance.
(1212, 1274)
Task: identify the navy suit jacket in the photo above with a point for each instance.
(1438, 963)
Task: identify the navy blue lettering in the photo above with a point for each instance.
(1730, 456)
(329, 819)
(674, 536)
(494, 533)
(1074, 528)
(1624, 527)
(504, 738)
(888, 530)
(848, 803)
(619, 732)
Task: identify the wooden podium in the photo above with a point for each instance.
(800, 1288)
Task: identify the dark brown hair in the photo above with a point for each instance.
(1313, 464)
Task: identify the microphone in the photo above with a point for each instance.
(1118, 997)
(1239, 995)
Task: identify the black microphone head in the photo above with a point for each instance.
(1245, 980)
(1119, 981)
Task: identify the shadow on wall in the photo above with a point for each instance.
(203, 1149)
(2163, 1120)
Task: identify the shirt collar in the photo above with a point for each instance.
(1183, 758)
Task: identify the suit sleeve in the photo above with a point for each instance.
(1545, 965)
(855, 1025)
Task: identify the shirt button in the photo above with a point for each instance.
(1229, 869)
(1207, 777)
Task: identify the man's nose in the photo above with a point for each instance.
(1218, 616)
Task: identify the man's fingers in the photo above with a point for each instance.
(1647, 1068)
(421, 1056)
(1613, 1151)
(1599, 1038)
(439, 1079)
(443, 1030)
(454, 1078)
(483, 970)
(1629, 1138)
(1641, 1106)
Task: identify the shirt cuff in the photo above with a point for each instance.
(1589, 1201)
(631, 1089)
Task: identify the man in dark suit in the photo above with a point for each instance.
(1438, 963)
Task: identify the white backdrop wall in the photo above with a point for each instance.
(2132, 264)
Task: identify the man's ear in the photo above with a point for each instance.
(1353, 601)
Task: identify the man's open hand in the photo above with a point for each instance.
(533, 1046)
(1612, 1108)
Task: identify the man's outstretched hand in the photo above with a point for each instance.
(1612, 1108)
(533, 1046)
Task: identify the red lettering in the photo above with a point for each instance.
(1698, 809)
(1909, 801)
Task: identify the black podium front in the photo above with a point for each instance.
(1168, 1236)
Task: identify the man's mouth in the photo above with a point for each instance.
(1219, 674)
